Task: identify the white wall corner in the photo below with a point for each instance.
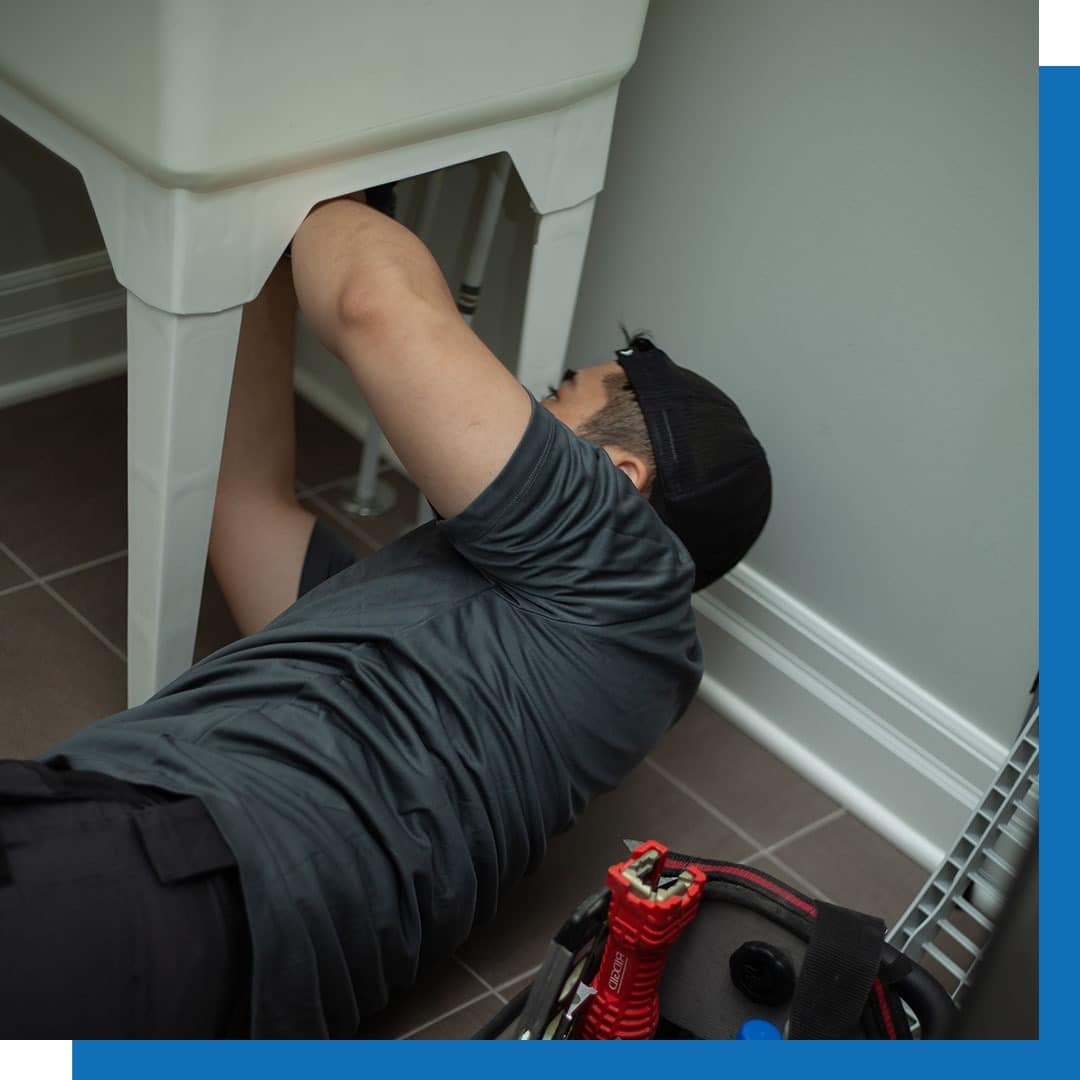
(884, 748)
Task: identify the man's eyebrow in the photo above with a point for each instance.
(570, 374)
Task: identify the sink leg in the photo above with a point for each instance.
(179, 375)
(554, 275)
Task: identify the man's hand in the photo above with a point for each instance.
(376, 298)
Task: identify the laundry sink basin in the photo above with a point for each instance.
(206, 94)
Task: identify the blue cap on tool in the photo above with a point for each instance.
(759, 1029)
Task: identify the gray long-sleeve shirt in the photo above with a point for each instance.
(395, 749)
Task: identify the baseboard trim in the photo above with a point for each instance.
(61, 325)
(95, 262)
(843, 789)
(870, 668)
(883, 747)
(65, 378)
(346, 414)
(54, 314)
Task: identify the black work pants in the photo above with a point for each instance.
(121, 914)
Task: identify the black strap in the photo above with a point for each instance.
(5, 866)
(895, 970)
(182, 841)
(22, 780)
(838, 971)
(177, 832)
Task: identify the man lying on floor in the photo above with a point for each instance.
(275, 842)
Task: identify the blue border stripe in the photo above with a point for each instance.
(1059, 349)
(588, 1061)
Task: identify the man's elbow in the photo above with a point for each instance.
(372, 302)
(353, 268)
(365, 298)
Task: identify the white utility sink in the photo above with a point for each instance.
(206, 129)
(205, 94)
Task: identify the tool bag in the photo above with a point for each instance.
(757, 950)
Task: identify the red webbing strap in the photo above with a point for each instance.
(749, 877)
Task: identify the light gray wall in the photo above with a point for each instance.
(830, 209)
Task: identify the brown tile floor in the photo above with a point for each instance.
(707, 788)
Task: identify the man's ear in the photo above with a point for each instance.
(630, 464)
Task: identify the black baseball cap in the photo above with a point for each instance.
(713, 486)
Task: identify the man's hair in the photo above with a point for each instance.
(621, 423)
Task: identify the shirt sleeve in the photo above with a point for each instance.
(562, 530)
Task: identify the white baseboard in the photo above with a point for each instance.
(345, 412)
(57, 292)
(65, 378)
(33, 277)
(884, 748)
(61, 325)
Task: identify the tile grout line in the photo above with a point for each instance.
(497, 990)
(707, 806)
(759, 849)
(50, 591)
(16, 588)
(476, 975)
(5, 550)
(507, 983)
(806, 830)
(79, 617)
(798, 879)
(58, 574)
(444, 1016)
(102, 561)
